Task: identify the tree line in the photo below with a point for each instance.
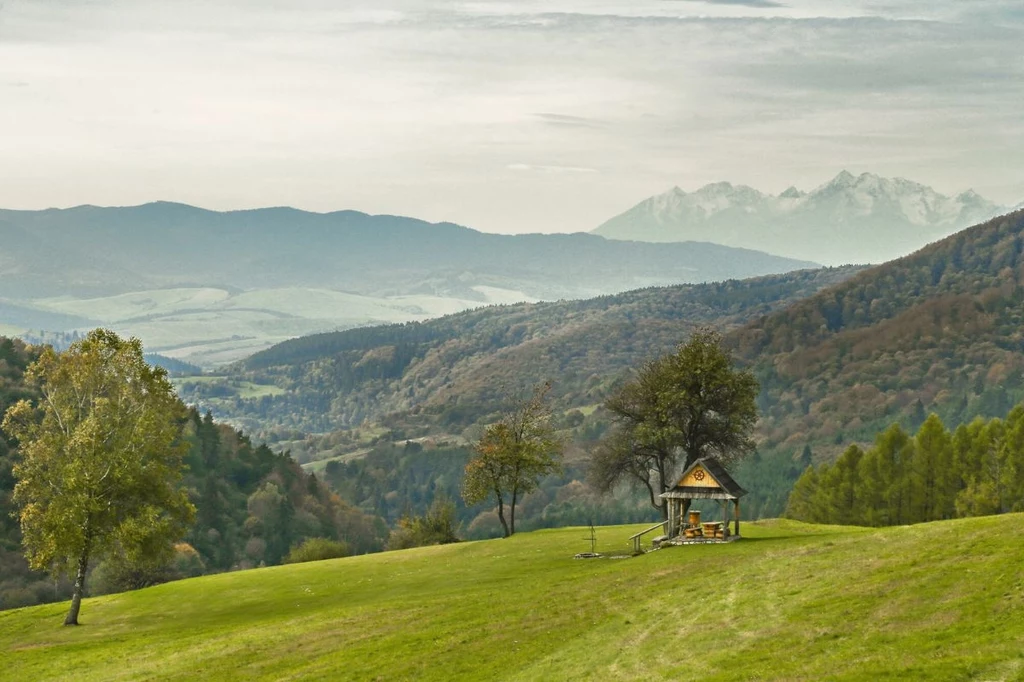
(935, 474)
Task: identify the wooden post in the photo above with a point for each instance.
(736, 510)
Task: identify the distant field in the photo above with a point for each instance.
(320, 465)
(243, 389)
(940, 601)
(211, 326)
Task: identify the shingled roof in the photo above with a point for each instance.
(726, 489)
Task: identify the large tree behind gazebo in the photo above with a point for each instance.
(686, 405)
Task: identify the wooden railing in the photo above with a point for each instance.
(636, 538)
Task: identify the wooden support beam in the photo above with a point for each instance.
(736, 510)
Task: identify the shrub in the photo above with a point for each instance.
(436, 527)
(117, 574)
(186, 562)
(316, 549)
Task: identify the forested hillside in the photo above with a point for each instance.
(937, 331)
(395, 481)
(253, 505)
(448, 373)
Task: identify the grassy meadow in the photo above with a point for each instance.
(937, 601)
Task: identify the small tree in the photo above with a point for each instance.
(692, 402)
(101, 460)
(513, 455)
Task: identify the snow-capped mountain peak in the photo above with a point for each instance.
(843, 180)
(850, 218)
(675, 204)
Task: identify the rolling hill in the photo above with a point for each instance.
(850, 219)
(942, 601)
(447, 373)
(211, 287)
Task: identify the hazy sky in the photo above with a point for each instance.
(524, 115)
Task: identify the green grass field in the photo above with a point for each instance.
(242, 389)
(320, 465)
(942, 601)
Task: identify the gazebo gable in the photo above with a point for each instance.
(708, 476)
(697, 476)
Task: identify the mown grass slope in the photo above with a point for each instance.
(941, 601)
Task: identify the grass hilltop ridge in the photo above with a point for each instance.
(942, 601)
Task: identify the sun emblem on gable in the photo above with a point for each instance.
(699, 474)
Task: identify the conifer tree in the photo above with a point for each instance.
(932, 475)
(802, 504)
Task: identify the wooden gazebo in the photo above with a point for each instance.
(705, 479)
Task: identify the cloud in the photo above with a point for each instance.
(534, 168)
(757, 4)
(564, 120)
(417, 106)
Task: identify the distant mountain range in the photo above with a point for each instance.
(212, 286)
(91, 250)
(851, 219)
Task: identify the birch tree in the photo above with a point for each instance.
(100, 460)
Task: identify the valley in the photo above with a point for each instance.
(452, 370)
(840, 354)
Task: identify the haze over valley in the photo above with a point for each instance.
(211, 287)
